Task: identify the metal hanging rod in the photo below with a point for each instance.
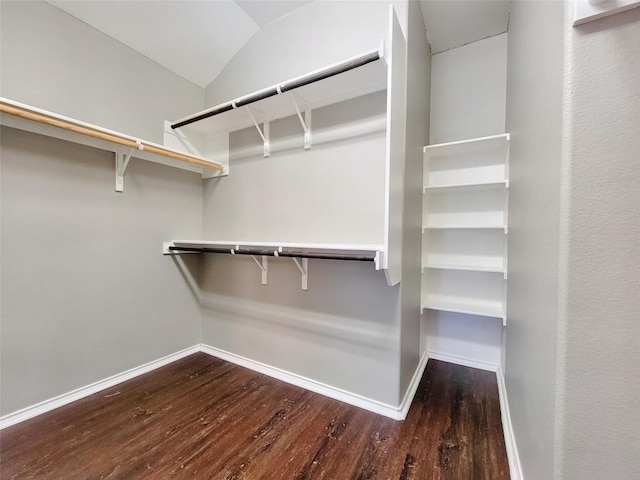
(274, 253)
(282, 88)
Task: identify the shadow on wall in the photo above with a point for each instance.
(347, 301)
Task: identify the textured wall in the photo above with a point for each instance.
(599, 354)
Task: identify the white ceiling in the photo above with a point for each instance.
(453, 23)
(196, 39)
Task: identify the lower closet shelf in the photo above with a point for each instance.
(458, 305)
(279, 249)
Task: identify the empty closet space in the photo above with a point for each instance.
(256, 271)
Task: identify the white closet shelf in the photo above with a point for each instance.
(464, 227)
(493, 141)
(36, 120)
(353, 77)
(470, 186)
(279, 249)
(457, 305)
(467, 268)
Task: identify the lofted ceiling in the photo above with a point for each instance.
(453, 23)
(196, 39)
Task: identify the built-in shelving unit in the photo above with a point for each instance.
(381, 68)
(465, 226)
(36, 120)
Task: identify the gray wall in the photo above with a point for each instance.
(534, 119)
(418, 90)
(573, 345)
(85, 291)
(599, 354)
(345, 331)
(53, 61)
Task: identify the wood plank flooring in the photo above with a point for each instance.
(203, 418)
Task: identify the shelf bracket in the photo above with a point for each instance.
(122, 156)
(305, 122)
(304, 270)
(264, 267)
(264, 133)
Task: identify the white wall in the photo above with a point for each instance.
(85, 291)
(345, 331)
(534, 119)
(468, 95)
(468, 90)
(599, 354)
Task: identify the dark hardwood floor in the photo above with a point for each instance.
(204, 418)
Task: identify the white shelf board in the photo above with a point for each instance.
(493, 141)
(79, 138)
(464, 227)
(359, 81)
(460, 187)
(467, 268)
(457, 305)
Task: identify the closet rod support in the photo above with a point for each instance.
(122, 157)
(305, 122)
(304, 270)
(264, 133)
(264, 267)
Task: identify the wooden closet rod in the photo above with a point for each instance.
(272, 253)
(109, 137)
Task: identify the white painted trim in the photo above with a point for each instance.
(413, 386)
(82, 392)
(466, 362)
(515, 468)
(307, 383)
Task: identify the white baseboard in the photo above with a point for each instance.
(413, 387)
(466, 362)
(79, 393)
(515, 468)
(308, 384)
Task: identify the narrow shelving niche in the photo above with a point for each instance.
(465, 226)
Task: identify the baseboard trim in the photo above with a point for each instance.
(515, 468)
(82, 392)
(396, 413)
(466, 362)
(307, 383)
(413, 387)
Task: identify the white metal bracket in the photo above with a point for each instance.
(264, 133)
(264, 267)
(123, 155)
(305, 122)
(304, 270)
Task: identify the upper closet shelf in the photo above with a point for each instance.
(36, 120)
(471, 145)
(350, 78)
